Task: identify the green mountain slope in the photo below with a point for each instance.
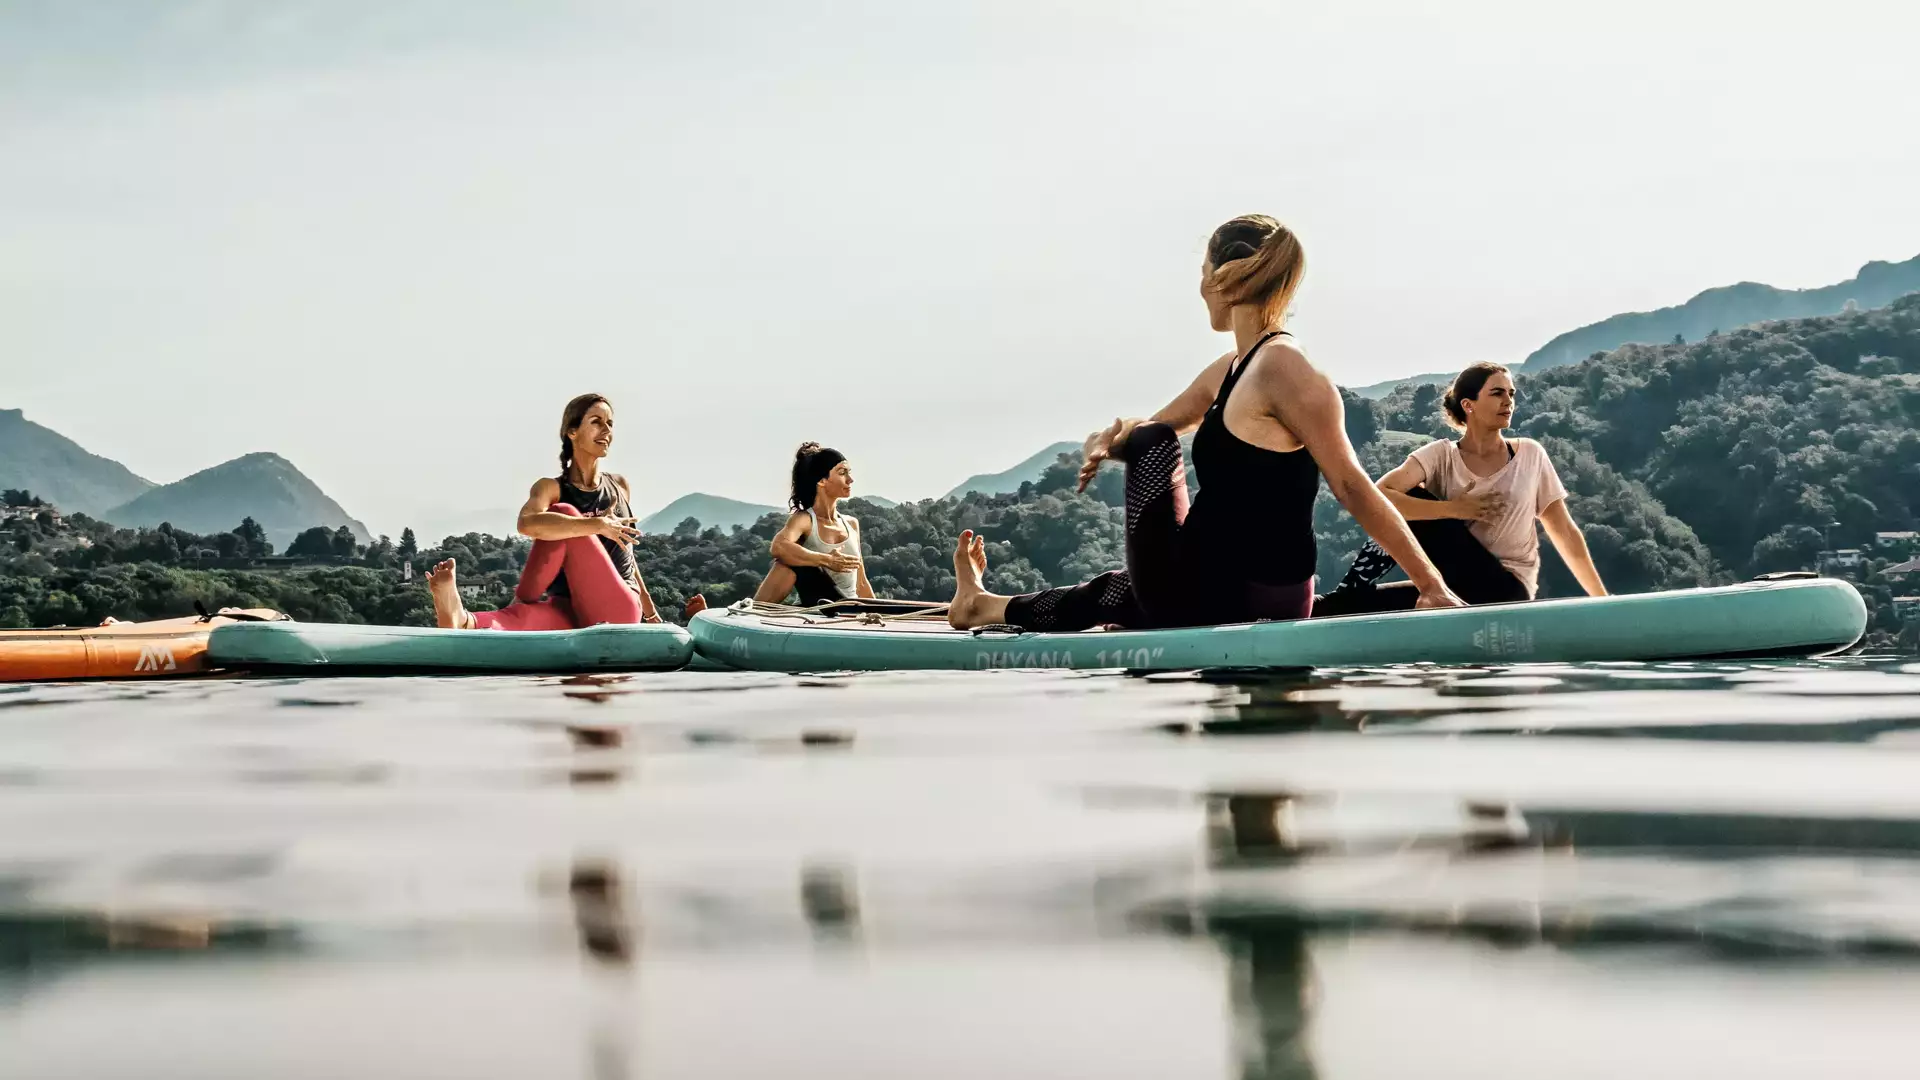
(54, 467)
(262, 486)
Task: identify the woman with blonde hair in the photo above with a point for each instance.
(1268, 425)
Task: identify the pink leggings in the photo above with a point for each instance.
(600, 594)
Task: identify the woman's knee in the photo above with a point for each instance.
(567, 509)
(1145, 436)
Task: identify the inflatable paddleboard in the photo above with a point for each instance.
(339, 648)
(120, 650)
(1777, 618)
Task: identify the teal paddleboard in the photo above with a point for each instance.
(1800, 617)
(338, 648)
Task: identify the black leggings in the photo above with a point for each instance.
(815, 586)
(1159, 587)
(1470, 570)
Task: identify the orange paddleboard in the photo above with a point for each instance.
(117, 650)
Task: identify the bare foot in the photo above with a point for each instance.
(695, 606)
(971, 600)
(448, 612)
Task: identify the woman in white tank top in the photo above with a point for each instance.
(818, 550)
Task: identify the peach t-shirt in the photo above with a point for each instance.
(1530, 484)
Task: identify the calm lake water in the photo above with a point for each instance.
(1686, 870)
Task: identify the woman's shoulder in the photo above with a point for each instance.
(1281, 368)
(1282, 348)
(1531, 447)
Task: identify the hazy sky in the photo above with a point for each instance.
(389, 238)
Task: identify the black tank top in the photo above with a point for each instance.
(609, 497)
(1253, 517)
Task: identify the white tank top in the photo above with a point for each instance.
(848, 582)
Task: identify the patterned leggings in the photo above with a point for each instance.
(1157, 589)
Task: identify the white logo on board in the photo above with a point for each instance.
(1498, 639)
(155, 658)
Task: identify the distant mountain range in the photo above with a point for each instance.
(711, 511)
(264, 487)
(1725, 308)
(56, 468)
(719, 512)
(1009, 480)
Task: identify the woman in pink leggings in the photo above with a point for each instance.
(581, 570)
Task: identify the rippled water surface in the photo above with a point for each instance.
(1599, 871)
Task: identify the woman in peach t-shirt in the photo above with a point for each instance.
(1472, 504)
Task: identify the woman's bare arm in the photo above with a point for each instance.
(1308, 404)
(863, 589)
(1183, 414)
(1405, 478)
(1571, 543)
(538, 523)
(1410, 474)
(786, 545)
(787, 548)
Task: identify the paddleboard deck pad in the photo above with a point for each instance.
(338, 648)
(1801, 616)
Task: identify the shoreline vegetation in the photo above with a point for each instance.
(1762, 449)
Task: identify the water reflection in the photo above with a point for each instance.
(1733, 884)
(38, 947)
(1223, 849)
(594, 763)
(1272, 998)
(1807, 702)
(830, 899)
(600, 915)
(596, 689)
(604, 926)
(1268, 829)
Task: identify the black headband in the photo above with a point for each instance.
(821, 462)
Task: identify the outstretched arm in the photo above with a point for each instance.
(1183, 414)
(1571, 543)
(1308, 404)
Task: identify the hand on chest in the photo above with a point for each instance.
(1482, 475)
